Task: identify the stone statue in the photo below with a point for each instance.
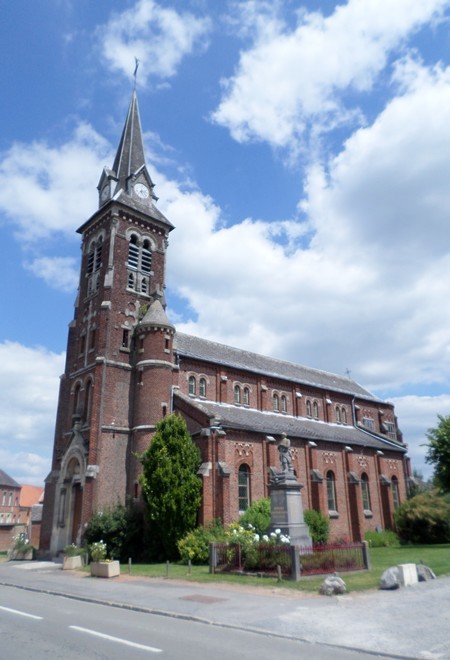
(284, 449)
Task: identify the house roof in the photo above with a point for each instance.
(249, 419)
(6, 480)
(210, 351)
(30, 495)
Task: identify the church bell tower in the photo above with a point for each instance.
(119, 349)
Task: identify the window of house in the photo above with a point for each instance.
(390, 429)
(276, 402)
(308, 408)
(331, 491)
(192, 385)
(365, 492)
(246, 399)
(4, 498)
(243, 488)
(82, 344)
(338, 415)
(395, 492)
(315, 410)
(125, 338)
(237, 394)
(1, 518)
(283, 404)
(202, 387)
(10, 498)
(369, 423)
(344, 415)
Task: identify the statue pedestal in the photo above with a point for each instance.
(287, 509)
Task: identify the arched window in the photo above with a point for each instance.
(246, 399)
(308, 408)
(338, 415)
(365, 492)
(276, 402)
(87, 401)
(202, 387)
(133, 253)
(344, 415)
(76, 400)
(146, 257)
(144, 285)
(395, 492)
(315, 410)
(98, 254)
(192, 385)
(243, 488)
(237, 394)
(331, 491)
(283, 404)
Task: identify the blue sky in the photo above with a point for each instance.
(302, 150)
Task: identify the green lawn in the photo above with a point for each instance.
(435, 556)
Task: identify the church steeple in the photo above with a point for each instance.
(129, 175)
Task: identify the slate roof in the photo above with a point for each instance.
(210, 351)
(249, 419)
(6, 480)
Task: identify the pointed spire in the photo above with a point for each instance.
(130, 153)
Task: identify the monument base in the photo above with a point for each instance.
(287, 510)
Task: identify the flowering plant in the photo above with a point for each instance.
(98, 551)
(72, 550)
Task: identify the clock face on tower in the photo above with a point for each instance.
(105, 193)
(141, 190)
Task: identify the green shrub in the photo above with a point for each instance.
(194, 545)
(424, 519)
(385, 539)
(121, 528)
(257, 515)
(319, 525)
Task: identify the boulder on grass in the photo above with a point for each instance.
(333, 585)
(390, 578)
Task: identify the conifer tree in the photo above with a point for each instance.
(171, 487)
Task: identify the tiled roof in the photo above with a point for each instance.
(30, 495)
(210, 351)
(249, 419)
(6, 480)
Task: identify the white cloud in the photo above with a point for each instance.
(159, 37)
(289, 76)
(416, 415)
(29, 382)
(47, 189)
(60, 273)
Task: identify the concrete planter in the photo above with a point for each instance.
(105, 569)
(70, 563)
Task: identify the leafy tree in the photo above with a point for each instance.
(170, 486)
(424, 518)
(319, 525)
(258, 515)
(438, 453)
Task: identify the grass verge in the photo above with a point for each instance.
(436, 557)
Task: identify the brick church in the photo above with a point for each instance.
(127, 367)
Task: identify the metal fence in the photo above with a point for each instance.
(332, 558)
(265, 558)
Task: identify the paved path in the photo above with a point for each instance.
(412, 622)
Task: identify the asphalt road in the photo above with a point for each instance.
(35, 625)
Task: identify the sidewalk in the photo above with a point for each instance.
(412, 622)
